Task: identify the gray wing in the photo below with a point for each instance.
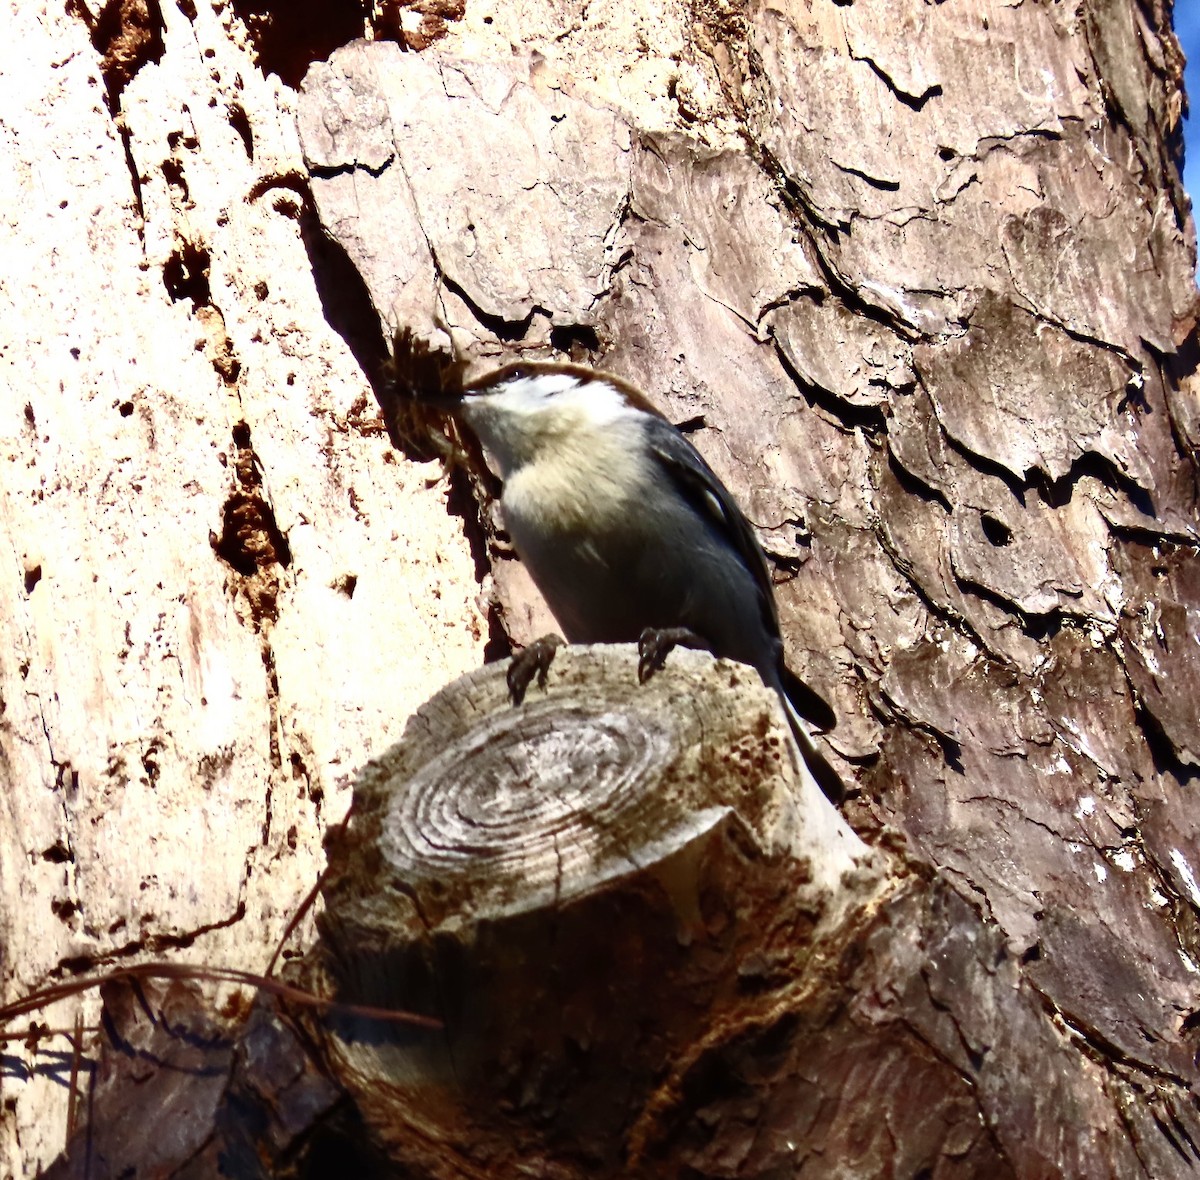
(698, 483)
(708, 495)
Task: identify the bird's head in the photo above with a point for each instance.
(521, 410)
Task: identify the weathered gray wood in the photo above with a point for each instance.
(177, 726)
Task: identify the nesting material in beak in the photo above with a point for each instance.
(421, 389)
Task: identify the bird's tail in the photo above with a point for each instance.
(827, 778)
(806, 702)
(806, 709)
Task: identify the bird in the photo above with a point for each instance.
(628, 533)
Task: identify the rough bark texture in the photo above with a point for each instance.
(220, 591)
(921, 278)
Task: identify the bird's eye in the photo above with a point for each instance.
(518, 373)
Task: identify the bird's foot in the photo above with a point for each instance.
(655, 644)
(531, 661)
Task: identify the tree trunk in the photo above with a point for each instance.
(920, 279)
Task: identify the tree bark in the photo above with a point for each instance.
(920, 281)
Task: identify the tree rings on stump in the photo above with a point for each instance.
(574, 887)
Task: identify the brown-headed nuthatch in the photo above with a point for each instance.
(628, 533)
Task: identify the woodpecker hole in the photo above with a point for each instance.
(185, 275)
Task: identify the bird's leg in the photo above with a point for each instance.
(533, 660)
(655, 644)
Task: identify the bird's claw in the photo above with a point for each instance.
(533, 660)
(655, 644)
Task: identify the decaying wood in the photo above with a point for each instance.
(920, 281)
(657, 950)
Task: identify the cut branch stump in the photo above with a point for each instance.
(585, 889)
